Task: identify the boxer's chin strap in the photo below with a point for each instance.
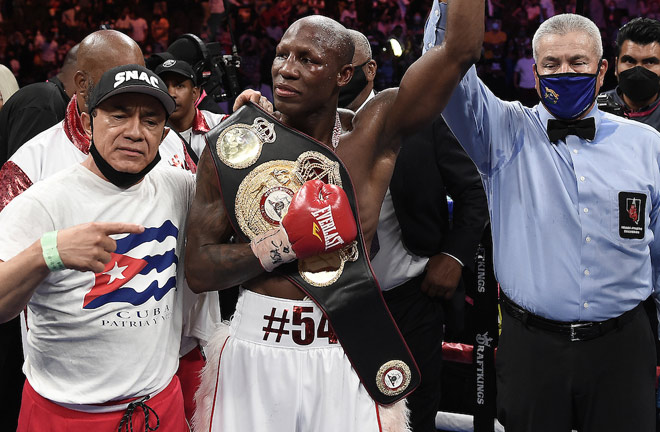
(118, 178)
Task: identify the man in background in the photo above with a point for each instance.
(637, 69)
(36, 107)
(188, 121)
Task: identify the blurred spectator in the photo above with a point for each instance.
(494, 39)
(251, 66)
(597, 13)
(123, 23)
(49, 51)
(31, 47)
(522, 40)
(350, 13)
(160, 32)
(547, 8)
(69, 18)
(274, 29)
(216, 18)
(524, 79)
(36, 107)
(494, 8)
(533, 9)
(139, 28)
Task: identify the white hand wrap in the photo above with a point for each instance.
(272, 248)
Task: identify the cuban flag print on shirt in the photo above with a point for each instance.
(138, 270)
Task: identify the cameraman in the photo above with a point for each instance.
(637, 68)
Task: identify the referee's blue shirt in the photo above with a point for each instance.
(562, 215)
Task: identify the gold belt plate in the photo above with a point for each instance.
(263, 199)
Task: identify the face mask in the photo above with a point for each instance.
(639, 83)
(567, 95)
(120, 179)
(350, 91)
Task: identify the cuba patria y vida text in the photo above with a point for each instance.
(138, 317)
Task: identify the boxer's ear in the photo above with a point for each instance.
(372, 67)
(345, 74)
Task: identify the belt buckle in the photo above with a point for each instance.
(573, 331)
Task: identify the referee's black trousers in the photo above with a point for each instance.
(547, 383)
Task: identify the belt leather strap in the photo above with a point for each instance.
(353, 303)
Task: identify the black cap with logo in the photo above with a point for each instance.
(178, 67)
(130, 78)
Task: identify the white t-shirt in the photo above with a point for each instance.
(115, 334)
(139, 28)
(51, 151)
(390, 240)
(196, 140)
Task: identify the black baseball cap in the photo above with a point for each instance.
(179, 67)
(131, 78)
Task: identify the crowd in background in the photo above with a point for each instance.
(36, 34)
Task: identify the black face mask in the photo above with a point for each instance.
(639, 83)
(120, 179)
(350, 91)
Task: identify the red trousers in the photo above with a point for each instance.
(190, 366)
(38, 414)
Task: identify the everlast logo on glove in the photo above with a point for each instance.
(319, 219)
(632, 212)
(327, 226)
(322, 207)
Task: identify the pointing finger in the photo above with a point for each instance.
(120, 228)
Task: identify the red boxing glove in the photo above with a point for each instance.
(319, 220)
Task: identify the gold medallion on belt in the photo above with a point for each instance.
(239, 145)
(263, 199)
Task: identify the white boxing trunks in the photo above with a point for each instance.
(282, 369)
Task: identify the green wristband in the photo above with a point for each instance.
(50, 253)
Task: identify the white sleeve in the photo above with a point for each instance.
(22, 222)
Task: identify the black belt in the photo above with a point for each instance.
(576, 331)
(352, 302)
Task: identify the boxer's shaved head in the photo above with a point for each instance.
(362, 47)
(329, 35)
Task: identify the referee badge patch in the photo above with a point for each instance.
(632, 211)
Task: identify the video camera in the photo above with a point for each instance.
(216, 72)
(608, 104)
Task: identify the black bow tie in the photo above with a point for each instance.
(560, 129)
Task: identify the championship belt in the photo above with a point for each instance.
(260, 164)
